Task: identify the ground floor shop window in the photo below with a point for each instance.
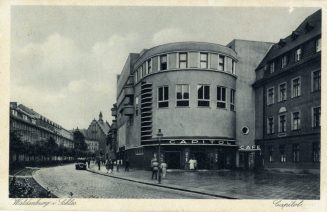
(271, 154)
(296, 153)
(316, 152)
(282, 153)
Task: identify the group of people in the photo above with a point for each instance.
(158, 170)
(112, 165)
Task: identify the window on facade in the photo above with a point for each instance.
(296, 153)
(137, 106)
(143, 70)
(316, 117)
(270, 96)
(282, 124)
(296, 87)
(318, 45)
(284, 61)
(14, 112)
(272, 67)
(316, 152)
(149, 66)
(282, 92)
(221, 63)
(163, 95)
(183, 60)
(270, 125)
(298, 54)
(282, 153)
(203, 60)
(271, 154)
(232, 100)
(163, 62)
(182, 95)
(139, 73)
(136, 76)
(233, 67)
(204, 95)
(316, 81)
(296, 121)
(221, 97)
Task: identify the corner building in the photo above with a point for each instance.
(201, 97)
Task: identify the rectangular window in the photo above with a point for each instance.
(272, 67)
(182, 95)
(163, 62)
(296, 121)
(232, 100)
(270, 125)
(284, 61)
(316, 81)
(233, 67)
(270, 96)
(298, 54)
(204, 95)
(316, 152)
(183, 60)
(221, 63)
(137, 106)
(203, 60)
(318, 45)
(282, 153)
(139, 73)
(282, 92)
(271, 154)
(221, 97)
(143, 70)
(136, 76)
(316, 117)
(296, 87)
(296, 153)
(282, 124)
(163, 96)
(149, 66)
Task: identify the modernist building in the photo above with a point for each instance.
(97, 132)
(201, 97)
(34, 127)
(288, 99)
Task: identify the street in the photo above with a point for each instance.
(65, 181)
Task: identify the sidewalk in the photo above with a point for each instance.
(230, 184)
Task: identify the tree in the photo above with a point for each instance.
(16, 144)
(79, 141)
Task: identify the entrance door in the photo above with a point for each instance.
(201, 159)
(173, 159)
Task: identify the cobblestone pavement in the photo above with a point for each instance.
(237, 184)
(64, 181)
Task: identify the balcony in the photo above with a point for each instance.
(128, 110)
(128, 91)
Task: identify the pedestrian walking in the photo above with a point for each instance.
(88, 162)
(154, 167)
(192, 164)
(163, 167)
(117, 165)
(126, 165)
(99, 164)
(107, 165)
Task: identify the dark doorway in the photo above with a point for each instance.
(201, 159)
(173, 159)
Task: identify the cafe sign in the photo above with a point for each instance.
(252, 147)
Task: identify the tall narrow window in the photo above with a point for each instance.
(296, 153)
(272, 67)
(296, 87)
(204, 95)
(136, 74)
(221, 97)
(143, 71)
(163, 62)
(149, 66)
(163, 96)
(316, 117)
(139, 73)
(282, 92)
(316, 81)
(233, 67)
(318, 45)
(282, 124)
(282, 153)
(136, 106)
(182, 95)
(298, 54)
(183, 60)
(284, 61)
(270, 96)
(221, 63)
(271, 154)
(270, 125)
(316, 152)
(296, 121)
(232, 100)
(203, 60)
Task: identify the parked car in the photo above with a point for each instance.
(80, 164)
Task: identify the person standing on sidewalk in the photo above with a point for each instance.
(163, 167)
(99, 163)
(154, 167)
(118, 164)
(126, 165)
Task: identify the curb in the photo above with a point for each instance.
(164, 186)
(54, 196)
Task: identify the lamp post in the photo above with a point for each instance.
(159, 135)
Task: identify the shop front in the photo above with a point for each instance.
(249, 157)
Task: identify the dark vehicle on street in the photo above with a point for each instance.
(80, 164)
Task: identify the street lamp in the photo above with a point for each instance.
(159, 135)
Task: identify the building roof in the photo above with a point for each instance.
(308, 29)
(105, 127)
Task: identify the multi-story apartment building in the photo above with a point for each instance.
(201, 97)
(34, 127)
(288, 99)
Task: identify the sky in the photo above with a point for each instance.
(65, 59)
